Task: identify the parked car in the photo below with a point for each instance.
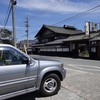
(20, 73)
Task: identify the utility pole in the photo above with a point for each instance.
(27, 25)
(13, 22)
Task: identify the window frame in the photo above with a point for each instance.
(3, 48)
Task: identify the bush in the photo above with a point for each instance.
(84, 53)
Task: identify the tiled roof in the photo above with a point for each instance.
(49, 43)
(37, 45)
(81, 37)
(97, 37)
(55, 42)
(62, 30)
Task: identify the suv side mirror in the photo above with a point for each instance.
(27, 61)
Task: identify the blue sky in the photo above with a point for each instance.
(47, 12)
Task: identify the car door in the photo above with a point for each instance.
(33, 73)
(14, 72)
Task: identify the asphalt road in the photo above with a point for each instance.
(90, 66)
(82, 81)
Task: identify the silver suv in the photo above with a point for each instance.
(20, 73)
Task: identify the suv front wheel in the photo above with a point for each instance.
(50, 85)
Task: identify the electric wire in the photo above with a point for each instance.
(7, 12)
(78, 15)
(36, 14)
(7, 18)
(46, 8)
(7, 15)
(42, 7)
(70, 18)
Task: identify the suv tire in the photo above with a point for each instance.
(50, 85)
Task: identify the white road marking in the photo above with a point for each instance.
(89, 66)
(78, 67)
(75, 70)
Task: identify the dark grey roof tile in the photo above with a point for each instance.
(62, 30)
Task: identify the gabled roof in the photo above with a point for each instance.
(81, 37)
(63, 30)
(96, 38)
(60, 30)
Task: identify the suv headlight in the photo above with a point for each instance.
(60, 66)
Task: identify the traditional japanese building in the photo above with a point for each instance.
(84, 46)
(95, 45)
(51, 40)
(67, 41)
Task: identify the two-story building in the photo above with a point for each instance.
(67, 41)
(51, 40)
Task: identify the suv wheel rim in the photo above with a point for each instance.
(50, 85)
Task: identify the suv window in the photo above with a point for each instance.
(9, 56)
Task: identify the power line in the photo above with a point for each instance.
(7, 15)
(42, 7)
(7, 18)
(79, 15)
(46, 8)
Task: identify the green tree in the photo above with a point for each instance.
(6, 36)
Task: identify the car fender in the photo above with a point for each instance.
(44, 71)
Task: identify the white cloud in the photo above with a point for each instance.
(62, 6)
(8, 27)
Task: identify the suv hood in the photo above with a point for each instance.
(48, 62)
